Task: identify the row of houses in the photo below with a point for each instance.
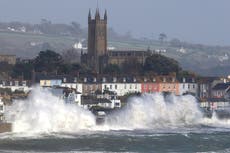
(16, 85)
(203, 88)
(213, 92)
(124, 85)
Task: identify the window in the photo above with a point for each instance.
(130, 87)
(188, 86)
(111, 86)
(105, 87)
(194, 86)
(183, 86)
(135, 86)
(115, 86)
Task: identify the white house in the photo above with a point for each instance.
(122, 87)
(70, 96)
(188, 86)
(16, 85)
(78, 45)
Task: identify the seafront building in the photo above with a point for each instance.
(16, 85)
(211, 92)
(124, 85)
(188, 86)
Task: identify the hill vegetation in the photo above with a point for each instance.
(50, 62)
(27, 40)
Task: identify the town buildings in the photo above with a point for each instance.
(211, 92)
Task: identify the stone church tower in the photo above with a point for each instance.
(97, 41)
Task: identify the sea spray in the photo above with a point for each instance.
(151, 111)
(44, 112)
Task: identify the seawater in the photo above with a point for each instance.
(149, 123)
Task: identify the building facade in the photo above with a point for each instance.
(10, 59)
(188, 86)
(98, 56)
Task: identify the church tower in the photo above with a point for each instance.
(97, 40)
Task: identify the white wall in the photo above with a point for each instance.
(188, 88)
(122, 88)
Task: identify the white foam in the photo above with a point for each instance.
(43, 112)
(154, 111)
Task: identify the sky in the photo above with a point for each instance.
(196, 21)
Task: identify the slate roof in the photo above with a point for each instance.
(221, 86)
(217, 100)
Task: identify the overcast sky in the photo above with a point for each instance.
(198, 21)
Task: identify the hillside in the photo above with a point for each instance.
(205, 60)
(26, 40)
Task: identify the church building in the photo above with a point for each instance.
(98, 56)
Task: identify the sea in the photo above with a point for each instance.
(149, 123)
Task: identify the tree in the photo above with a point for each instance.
(71, 56)
(162, 37)
(47, 61)
(22, 70)
(132, 66)
(5, 67)
(111, 69)
(161, 65)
